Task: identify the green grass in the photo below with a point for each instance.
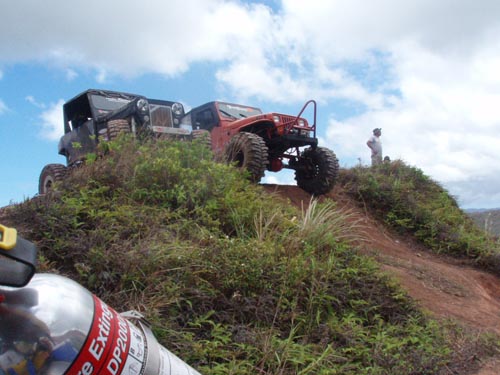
(407, 200)
(233, 281)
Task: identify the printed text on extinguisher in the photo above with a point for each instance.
(107, 345)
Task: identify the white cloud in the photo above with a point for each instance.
(101, 76)
(445, 122)
(71, 74)
(130, 39)
(486, 193)
(31, 99)
(52, 121)
(3, 107)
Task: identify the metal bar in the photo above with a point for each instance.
(302, 111)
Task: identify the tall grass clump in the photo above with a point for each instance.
(232, 280)
(412, 203)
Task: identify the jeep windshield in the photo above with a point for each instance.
(105, 104)
(235, 111)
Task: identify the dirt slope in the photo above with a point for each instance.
(445, 287)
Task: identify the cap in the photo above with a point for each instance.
(377, 130)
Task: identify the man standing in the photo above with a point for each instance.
(375, 145)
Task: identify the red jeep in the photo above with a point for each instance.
(271, 141)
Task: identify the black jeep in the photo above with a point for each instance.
(96, 115)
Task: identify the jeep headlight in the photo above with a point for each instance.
(177, 109)
(142, 106)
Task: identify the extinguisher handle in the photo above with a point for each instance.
(17, 258)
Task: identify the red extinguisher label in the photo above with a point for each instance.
(112, 345)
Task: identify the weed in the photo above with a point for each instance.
(233, 280)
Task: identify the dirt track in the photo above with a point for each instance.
(444, 287)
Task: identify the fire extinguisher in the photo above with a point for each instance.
(51, 325)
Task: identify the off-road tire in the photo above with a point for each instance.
(51, 174)
(317, 170)
(248, 151)
(117, 127)
(203, 136)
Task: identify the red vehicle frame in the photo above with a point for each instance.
(276, 138)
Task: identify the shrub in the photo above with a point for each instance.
(412, 203)
(232, 280)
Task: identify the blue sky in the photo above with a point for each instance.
(426, 72)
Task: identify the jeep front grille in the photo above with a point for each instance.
(161, 115)
(288, 121)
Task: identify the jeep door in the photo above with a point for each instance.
(79, 141)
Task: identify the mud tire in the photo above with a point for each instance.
(317, 170)
(51, 174)
(117, 127)
(248, 151)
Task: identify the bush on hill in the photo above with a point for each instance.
(232, 280)
(412, 203)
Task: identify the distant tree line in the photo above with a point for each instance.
(489, 220)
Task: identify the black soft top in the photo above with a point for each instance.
(80, 104)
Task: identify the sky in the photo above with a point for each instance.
(427, 72)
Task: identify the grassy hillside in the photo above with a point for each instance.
(407, 200)
(233, 281)
(488, 220)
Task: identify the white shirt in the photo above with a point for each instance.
(375, 144)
